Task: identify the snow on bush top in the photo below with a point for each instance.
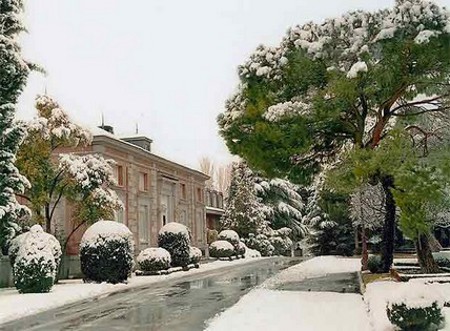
(417, 296)
(106, 231)
(174, 227)
(41, 239)
(221, 245)
(154, 254)
(229, 235)
(36, 246)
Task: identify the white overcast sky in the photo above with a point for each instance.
(164, 64)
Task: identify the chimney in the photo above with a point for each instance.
(107, 128)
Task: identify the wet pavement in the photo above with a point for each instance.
(180, 304)
(346, 282)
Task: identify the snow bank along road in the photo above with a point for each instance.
(180, 301)
(267, 308)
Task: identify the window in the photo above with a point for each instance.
(199, 195)
(143, 181)
(120, 175)
(183, 191)
(144, 226)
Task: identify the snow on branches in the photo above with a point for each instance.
(92, 175)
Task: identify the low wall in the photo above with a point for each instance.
(6, 279)
(70, 268)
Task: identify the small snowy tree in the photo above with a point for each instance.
(13, 76)
(244, 211)
(285, 203)
(84, 180)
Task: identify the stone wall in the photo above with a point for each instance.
(6, 279)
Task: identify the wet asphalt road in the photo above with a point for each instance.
(175, 305)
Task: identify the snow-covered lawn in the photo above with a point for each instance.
(14, 305)
(266, 309)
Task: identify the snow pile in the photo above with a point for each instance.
(263, 309)
(221, 245)
(174, 227)
(154, 259)
(251, 253)
(102, 231)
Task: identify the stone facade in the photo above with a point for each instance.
(154, 191)
(214, 208)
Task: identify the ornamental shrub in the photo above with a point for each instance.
(106, 252)
(260, 243)
(424, 318)
(241, 249)
(374, 264)
(34, 265)
(221, 248)
(232, 237)
(195, 255)
(154, 259)
(175, 238)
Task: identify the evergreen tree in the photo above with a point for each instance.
(244, 212)
(13, 75)
(341, 84)
(285, 203)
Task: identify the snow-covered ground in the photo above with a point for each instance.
(14, 305)
(267, 309)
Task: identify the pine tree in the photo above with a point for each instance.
(285, 203)
(244, 211)
(13, 75)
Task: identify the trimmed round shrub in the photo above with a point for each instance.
(221, 248)
(45, 238)
(195, 255)
(154, 259)
(174, 237)
(415, 318)
(282, 246)
(34, 265)
(106, 252)
(232, 237)
(374, 264)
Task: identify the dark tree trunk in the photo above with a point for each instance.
(387, 249)
(426, 260)
(364, 251)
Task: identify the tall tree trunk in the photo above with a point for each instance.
(387, 249)
(48, 220)
(364, 251)
(426, 260)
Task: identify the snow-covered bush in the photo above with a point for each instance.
(106, 252)
(153, 259)
(34, 265)
(260, 243)
(233, 238)
(416, 317)
(281, 242)
(49, 240)
(221, 248)
(374, 264)
(252, 253)
(241, 249)
(174, 237)
(195, 255)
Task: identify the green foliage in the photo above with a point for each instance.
(261, 243)
(221, 248)
(178, 245)
(34, 274)
(374, 264)
(109, 260)
(152, 260)
(416, 319)
(14, 72)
